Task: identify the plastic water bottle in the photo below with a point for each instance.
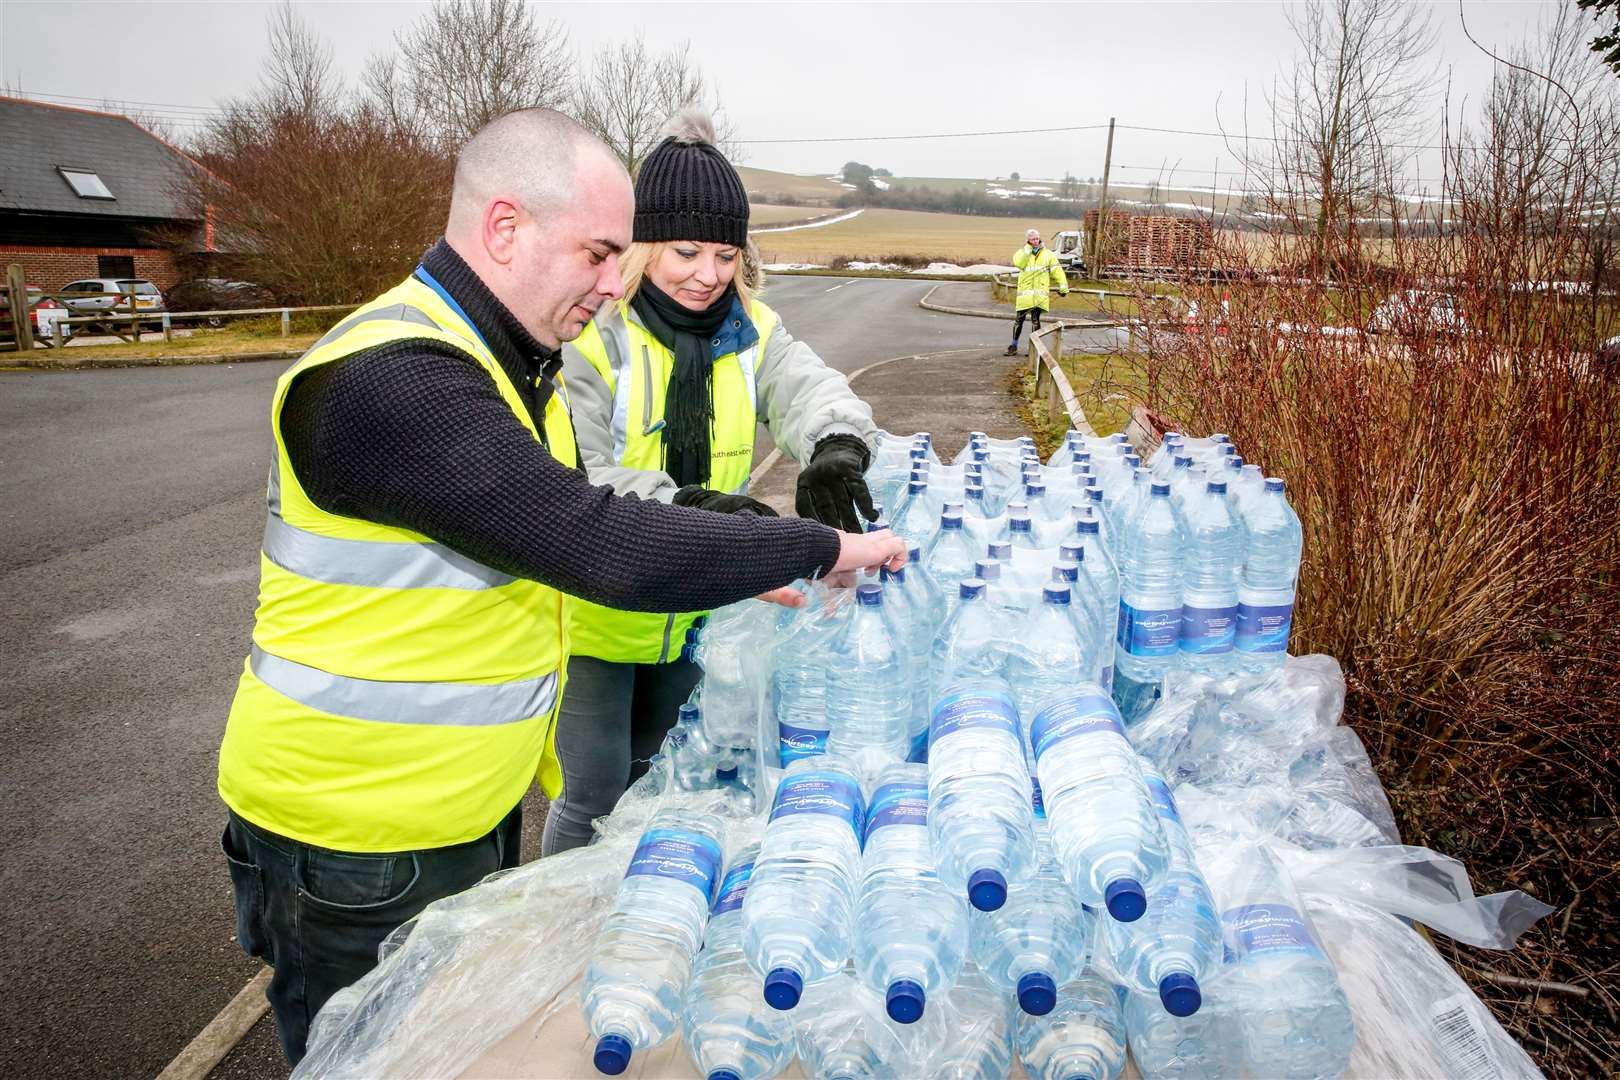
(1039, 940)
(977, 519)
(1083, 1037)
(912, 618)
(973, 1036)
(796, 917)
(1265, 614)
(1207, 1045)
(721, 646)
(842, 1033)
(950, 556)
(911, 930)
(638, 971)
(1103, 571)
(729, 1032)
(1106, 835)
(1249, 486)
(971, 645)
(979, 816)
(1182, 477)
(1209, 587)
(1049, 657)
(869, 684)
(1150, 590)
(692, 758)
(1176, 946)
(1296, 1021)
(915, 519)
(800, 682)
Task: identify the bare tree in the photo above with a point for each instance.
(1351, 107)
(630, 91)
(464, 63)
(298, 73)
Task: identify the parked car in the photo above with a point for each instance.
(88, 296)
(46, 312)
(217, 294)
(1417, 312)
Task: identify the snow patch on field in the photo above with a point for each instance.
(808, 224)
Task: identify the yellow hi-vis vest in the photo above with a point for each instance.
(398, 695)
(1036, 274)
(637, 367)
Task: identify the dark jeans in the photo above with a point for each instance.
(613, 719)
(1034, 315)
(317, 916)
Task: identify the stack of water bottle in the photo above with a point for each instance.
(960, 824)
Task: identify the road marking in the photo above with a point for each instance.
(222, 1033)
(852, 281)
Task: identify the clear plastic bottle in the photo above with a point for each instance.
(973, 1039)
(1086, 612)
(799, 681)
(1209, 585)
(692, 758)
(1149, 628)
(978, 520)
(797, 916)
(1296, 1021)
(637, 975)
(1100, 566)
(915, 520)
(913, 618)
(950, 556)
(1106, 835)
(1049, 656)
(842, 1033)
(869, 684)
(1270, 574)
(1083, 1038)
(1174, 948)
(720, 645)
(911, 930)
(971, 645)
(1207, 1045)
(979, 816)
(730, 1033)
(1040, 939)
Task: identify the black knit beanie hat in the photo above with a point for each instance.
(687, 190)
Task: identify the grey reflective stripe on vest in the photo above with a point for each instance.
(374, 564)
(393, 313)
(442, 703)
(616, 342)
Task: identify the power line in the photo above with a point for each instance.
(938, 135)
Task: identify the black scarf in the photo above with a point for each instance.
(689, 399)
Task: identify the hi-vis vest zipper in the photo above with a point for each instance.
(637, 367)
(398, 695)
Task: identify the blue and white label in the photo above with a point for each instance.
(918, 754)
(1163, 801)
(1108, 677)
(979, 709)
(1267, 929)
(678, 855)
(830, 793)
(1149, 631)
(1264, 628)
(905, 803)
(794, 743)
(1035, 800)
(1072, 717)
(1205, 631)
(733, 887)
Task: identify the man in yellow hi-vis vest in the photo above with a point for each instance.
(426, 519)
(1038, 271)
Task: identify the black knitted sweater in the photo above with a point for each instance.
(415, 434)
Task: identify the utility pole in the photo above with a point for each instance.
(1102, 208)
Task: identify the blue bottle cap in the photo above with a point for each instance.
(1235, 461)
(1071, 553)
(1183, 462)
(923, 437)
(1037, 993)
(725, 774)
(914, 554)
(1000, 549)
(1161, 489)
(1066, 571)
(917, 487)
(612, 1054)
(725, 1074)
(951, 521)
(1180, 995)
(783, 987)
(1125, 900)
(974, 492)
(1087, 524)
(1020, 523)
(987, 570)
(904, 1001)
(1216, 487)
(885, 574)
(1035, 489)
(1227, 449)
(1095, 494)
(987, 889)
(1220, 437)
(1274, 483)
(918, 452)
(1133, 461)
(1055, 594)
(970, 589)
(870, 595)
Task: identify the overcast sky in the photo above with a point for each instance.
(810, 70)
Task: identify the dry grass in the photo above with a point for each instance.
(772, 214)
(764, 183)
(958, 238)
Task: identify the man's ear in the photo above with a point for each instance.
(500, 224)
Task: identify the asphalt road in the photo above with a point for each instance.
(131, 503)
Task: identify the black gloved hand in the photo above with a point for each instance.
(719, 502)
(831, 487)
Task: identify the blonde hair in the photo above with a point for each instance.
(749, 280)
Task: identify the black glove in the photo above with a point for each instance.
(719, 502)
(831, 487)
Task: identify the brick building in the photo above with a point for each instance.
(90, 194)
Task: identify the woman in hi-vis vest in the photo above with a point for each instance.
(667, 388)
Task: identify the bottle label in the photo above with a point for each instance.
(733, 887)
(677, 854)
(905, 803)
(1264, 628)
(1265, 929)
(1163, 801)
(1148, 631)
(965, 709)
(918, 755)
(1206, 631)
(1071, 717)
(1108, 677)
(794, 742)
(1035, 799)
(830, 793)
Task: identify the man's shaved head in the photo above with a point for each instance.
(540, 212)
